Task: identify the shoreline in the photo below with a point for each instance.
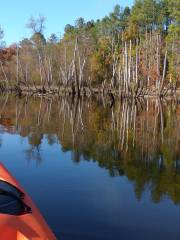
(87, 92)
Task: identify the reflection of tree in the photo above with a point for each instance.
(137, 139)
(35, 140)
(4, 102)
(34, 153)
(52, 139)
(0, 141)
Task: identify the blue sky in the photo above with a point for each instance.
(15, 14)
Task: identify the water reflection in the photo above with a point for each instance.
(138, 139)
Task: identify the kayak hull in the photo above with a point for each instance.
(30, 226)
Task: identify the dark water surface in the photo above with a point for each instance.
(97, 172)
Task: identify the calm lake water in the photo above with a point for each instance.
(97, 172)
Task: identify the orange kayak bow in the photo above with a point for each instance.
(19, 217)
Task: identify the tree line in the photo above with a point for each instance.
(130, 52)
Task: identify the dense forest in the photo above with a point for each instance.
(131, 52)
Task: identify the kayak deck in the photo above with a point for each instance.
(28, 225)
